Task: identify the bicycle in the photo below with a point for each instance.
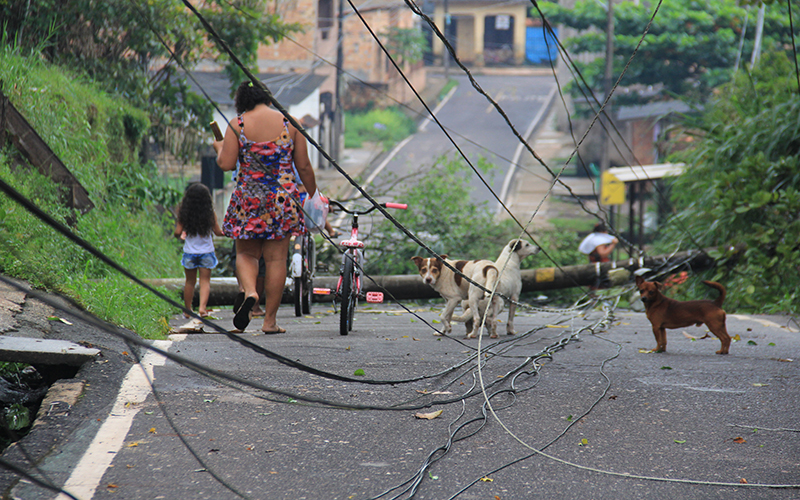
(348, 288)
(301, 270)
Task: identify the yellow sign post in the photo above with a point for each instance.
(612, 190)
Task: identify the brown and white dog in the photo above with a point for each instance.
(509, 285)
(452, 286)
(664, 313)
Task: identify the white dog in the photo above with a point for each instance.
(452, 286)
(509, 285)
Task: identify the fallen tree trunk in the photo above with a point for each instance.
(405, 287)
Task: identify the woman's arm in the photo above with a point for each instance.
(228, 148)
(302, 163)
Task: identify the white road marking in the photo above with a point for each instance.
(764, 322)
(514, 161)
(109, 439)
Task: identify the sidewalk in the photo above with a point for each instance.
(354, 162)
(534, 192)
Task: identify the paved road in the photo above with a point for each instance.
(478, 128)
(598, 406)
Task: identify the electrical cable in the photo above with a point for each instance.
(160, 403)
(35, 480)
(534, 360)
(662, 199)
(46, 218)
(314, 143)
(487, 397)
(417, 11)
(205, 370)
(794, 45)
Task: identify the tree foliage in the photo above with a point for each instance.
(691, 47)
(136, 49)
(406, 45)
(744, 187)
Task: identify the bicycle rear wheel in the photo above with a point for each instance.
(348, 295)
(299, 295)
(309, 264)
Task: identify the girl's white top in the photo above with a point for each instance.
(197, 244)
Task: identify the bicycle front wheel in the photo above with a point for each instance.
(348, 295)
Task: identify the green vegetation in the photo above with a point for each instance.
(386, 126)
(451, 82)
(690, 49)
(406, 45)
(97, 137)
(439, 205)
(114, 43)
(743, 187)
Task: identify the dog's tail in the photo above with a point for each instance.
(721, 289)
(490, 273)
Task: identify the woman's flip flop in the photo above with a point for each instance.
(242, 317)
(277, 330)
(237, 302)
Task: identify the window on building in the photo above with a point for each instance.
(325, 17)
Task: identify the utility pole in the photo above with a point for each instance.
(605, 160)
(759, 32)
(608, 82)
(338, 116)
(445, 52)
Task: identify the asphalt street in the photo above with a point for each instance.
(576, 409)
(479, 130)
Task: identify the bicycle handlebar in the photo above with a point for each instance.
(401, 206)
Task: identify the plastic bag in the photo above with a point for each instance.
(316, 211)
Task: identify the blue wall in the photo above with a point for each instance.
(536, 51)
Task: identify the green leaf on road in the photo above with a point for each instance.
(359, 373)
(666, 368)
(680, 441)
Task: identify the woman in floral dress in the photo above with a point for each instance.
(264, 211)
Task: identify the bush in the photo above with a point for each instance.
(742, 186)
(386, 126)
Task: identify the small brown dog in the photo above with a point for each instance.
(664, 313)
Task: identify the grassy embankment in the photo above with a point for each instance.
(97, 136)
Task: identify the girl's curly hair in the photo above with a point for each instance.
(196, 213)
(248, 95)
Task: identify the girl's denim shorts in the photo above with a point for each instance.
(195, 260)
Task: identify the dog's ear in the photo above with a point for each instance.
(417, 260)
(444, 256)
(639, 280)
(659, 285)
(517, 245)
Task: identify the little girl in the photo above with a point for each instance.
(196, 223)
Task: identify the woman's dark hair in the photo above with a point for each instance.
(196, 214)
(248, 95)
(600, 227)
